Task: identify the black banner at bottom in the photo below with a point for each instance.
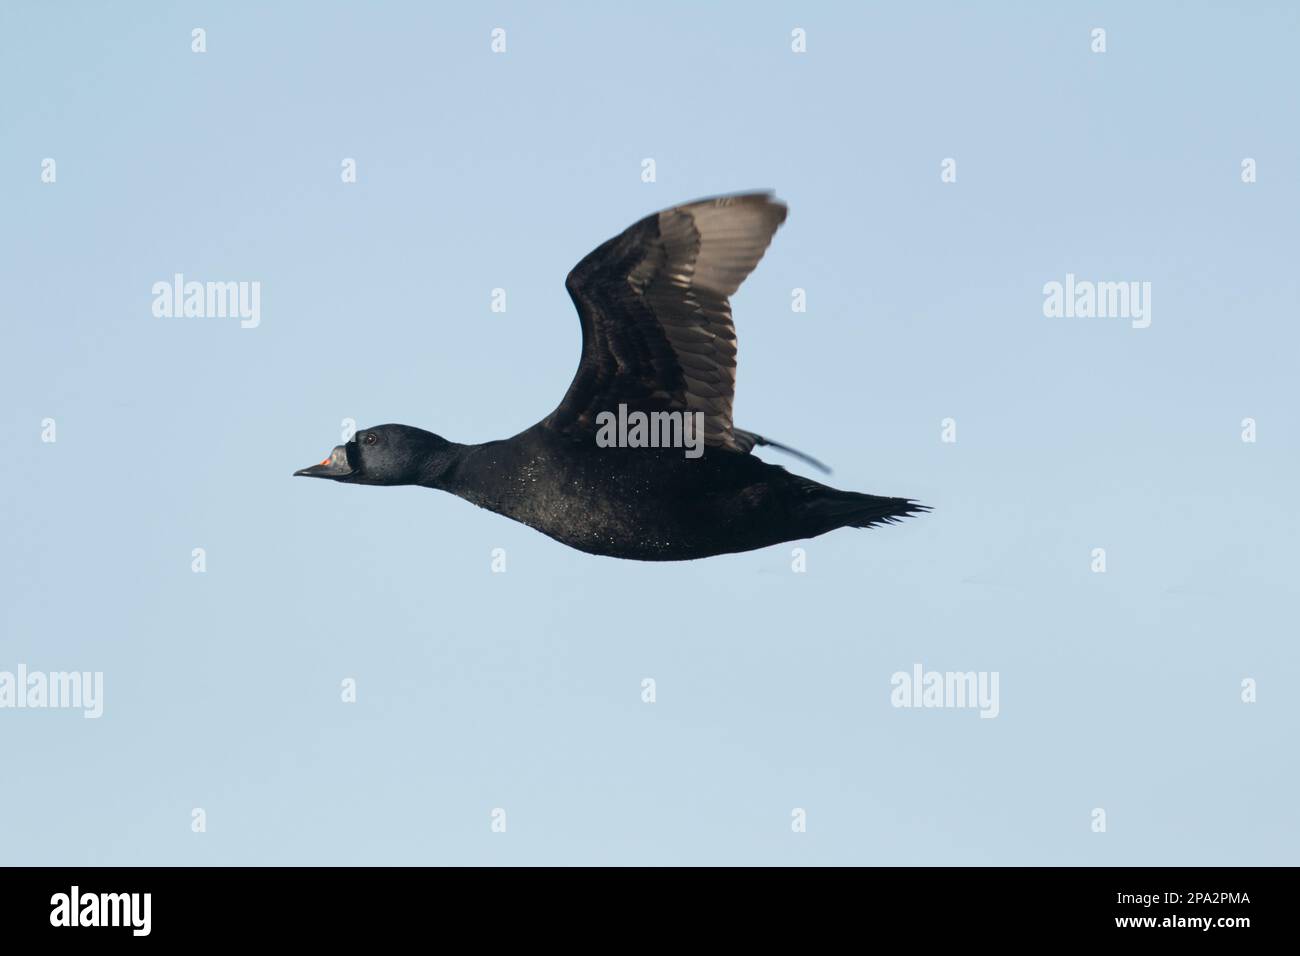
(177, 905)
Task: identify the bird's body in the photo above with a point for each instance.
(658, 340)
(650, 504)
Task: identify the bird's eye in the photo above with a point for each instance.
(370, 438)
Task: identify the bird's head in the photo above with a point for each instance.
(386, 455)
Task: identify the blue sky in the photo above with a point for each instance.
(522, 690)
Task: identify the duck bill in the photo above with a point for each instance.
(336, 466)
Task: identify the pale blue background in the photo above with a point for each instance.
(522, 690)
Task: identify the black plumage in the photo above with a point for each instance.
(657, 337)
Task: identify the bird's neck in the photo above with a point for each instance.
(442, 469)
(478, 473)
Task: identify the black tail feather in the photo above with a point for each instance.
(887, 511)
(832, 508)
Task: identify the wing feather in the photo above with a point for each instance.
(657, 331)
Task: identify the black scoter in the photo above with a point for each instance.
(640, 460)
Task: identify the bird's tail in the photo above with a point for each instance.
(832, 508)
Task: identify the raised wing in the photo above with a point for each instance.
(657, 333)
